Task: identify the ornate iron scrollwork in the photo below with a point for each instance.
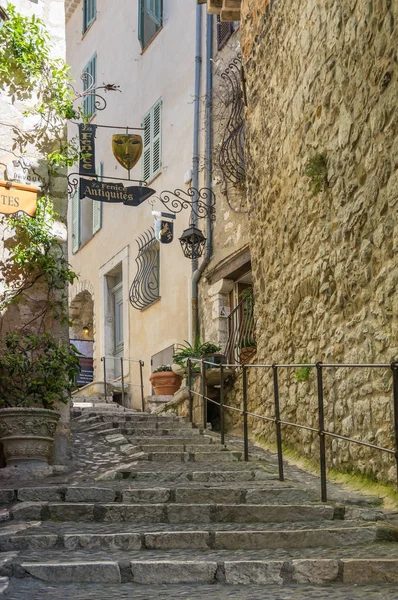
(201, 202)
(145, 287)
(91, 90)
(232, 158)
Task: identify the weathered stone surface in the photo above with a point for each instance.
(370, 570)
(184, 539)
(103, 541)
(28, 511)
(205, 495)
(81, 494)
(277, 496)
(180, 513)
(154, 496)
(173, 572)
(6, 496)
(38, 494)
(27, 542)
(246, 572)
(71, 512)
(246, 513)
(69, 572)
(144, 513)
(315, 571)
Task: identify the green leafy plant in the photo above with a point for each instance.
(29, 72)
(36, 370)
(195, 350)
(303, 373)
(163, 369)
(35, 255)
(316, 169)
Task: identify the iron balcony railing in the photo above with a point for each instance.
(121, 379)
(276, 418)
(241, 343)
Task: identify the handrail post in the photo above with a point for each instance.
(190, 400)
(245, 424)
(122, 374)
(278, 423)
(321, 432)
(222, 404)
(394, 369)
(104, 359)
(142, 386)
(203, 392)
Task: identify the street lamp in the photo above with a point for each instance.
(3, 16)
(192, 242)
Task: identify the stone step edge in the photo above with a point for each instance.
(202, 540)
(242, 572)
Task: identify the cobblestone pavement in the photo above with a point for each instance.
(32, 590)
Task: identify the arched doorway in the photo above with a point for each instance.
(81, 334)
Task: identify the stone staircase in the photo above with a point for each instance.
(154, 501)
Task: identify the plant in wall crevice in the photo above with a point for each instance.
(316, 169)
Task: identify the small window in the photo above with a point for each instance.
(150, 20)
(89, 13)
(152, 151)
(90, 81)
(224, 32)
(145, 289)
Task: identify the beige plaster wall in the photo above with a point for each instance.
(164, 70)
(322, 79)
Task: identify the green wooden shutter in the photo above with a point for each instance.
(97, 206)
(154, 10)
(140, 24)
(146, 153)
(156, 138)
(89, 13)
(75, 223)
(89, 101)
(152, 151)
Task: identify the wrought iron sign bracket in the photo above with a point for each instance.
(201, 202)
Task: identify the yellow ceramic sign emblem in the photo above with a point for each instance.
(127, 149)
(15, 197)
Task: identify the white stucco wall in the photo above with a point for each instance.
(164, 70)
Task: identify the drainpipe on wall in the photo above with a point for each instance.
(208, 167)
(195, 159)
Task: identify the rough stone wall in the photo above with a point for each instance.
(322, 79)
(230, 229)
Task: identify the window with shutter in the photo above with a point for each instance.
(90, 80)
(150, 20)
(97, 206)
(224, 32)
(89, 13)
(152, 151)
(75, 223)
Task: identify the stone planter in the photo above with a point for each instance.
(27, 435)
(165, 383)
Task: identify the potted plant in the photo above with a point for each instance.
(164, 381)
(197, 350)
(247, 347)
(36, 371)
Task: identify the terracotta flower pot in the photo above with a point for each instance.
(165, 383)
(27, 435)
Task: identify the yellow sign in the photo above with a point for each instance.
(127, 149)
(15, 197)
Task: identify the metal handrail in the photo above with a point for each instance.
(140, 385)
(276, 419)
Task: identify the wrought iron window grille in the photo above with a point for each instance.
(144, 290)
(224, 32)
(232, 157)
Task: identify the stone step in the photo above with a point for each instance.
(169, 513)
(204, 538)
(188, 447)
(222, 456)
(218, 567)
(39, 590)
(164, 431)
(209, 476)
(203, 440)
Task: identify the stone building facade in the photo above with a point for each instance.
(322, 186)
(30, 168)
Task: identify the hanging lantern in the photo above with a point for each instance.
(192, 242)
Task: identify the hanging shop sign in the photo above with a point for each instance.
(164, 226)
(127, 149)
(87, 133)
(15, 197)
(133, 195)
